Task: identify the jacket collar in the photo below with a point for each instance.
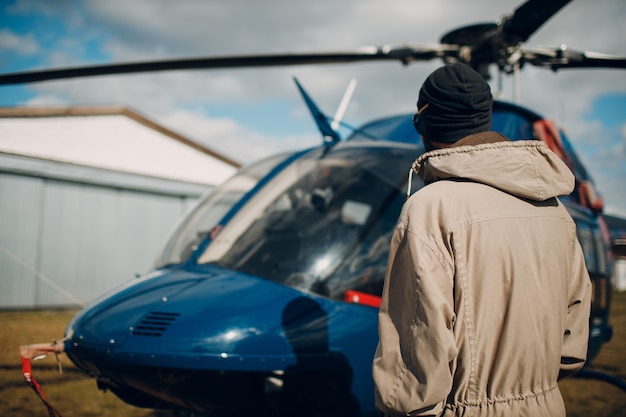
(526, 168)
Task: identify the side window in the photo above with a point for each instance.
(601, 251)
(210, 209)
(588, 244)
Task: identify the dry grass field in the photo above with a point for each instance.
(75, 395)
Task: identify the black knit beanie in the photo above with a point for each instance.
(454, 101)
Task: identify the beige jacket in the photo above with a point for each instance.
(487, 297)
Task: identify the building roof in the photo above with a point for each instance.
(112, 138)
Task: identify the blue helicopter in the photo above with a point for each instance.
(264, 299)
(265, 296)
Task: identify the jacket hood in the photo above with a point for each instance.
(526, 169)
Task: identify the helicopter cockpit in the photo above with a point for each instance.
(320, 220)
(323, 224)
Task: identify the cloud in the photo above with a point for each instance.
(259, 109)
(232, 139)
(21, 44)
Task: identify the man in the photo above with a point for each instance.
(487, 298)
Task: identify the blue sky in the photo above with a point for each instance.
(250, 113)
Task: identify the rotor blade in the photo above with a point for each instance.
(528, 17)
(566, 58)
(403, 54)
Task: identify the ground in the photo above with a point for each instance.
(76, 395)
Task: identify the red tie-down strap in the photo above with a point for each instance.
(27, 352)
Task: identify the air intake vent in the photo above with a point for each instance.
(154, 324)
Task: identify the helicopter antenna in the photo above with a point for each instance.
(329, 134)
(344, 104)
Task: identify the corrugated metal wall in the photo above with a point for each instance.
(65, 242)
(619, 274)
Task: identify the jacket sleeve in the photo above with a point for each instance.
(576, 335)
(412, 365)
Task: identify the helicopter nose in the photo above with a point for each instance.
(229, 318)
(240, 316)
(233, 315)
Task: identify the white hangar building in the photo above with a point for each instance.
(87, 199)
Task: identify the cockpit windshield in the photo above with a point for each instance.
(323, 223)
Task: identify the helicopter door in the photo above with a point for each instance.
(210, 209)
